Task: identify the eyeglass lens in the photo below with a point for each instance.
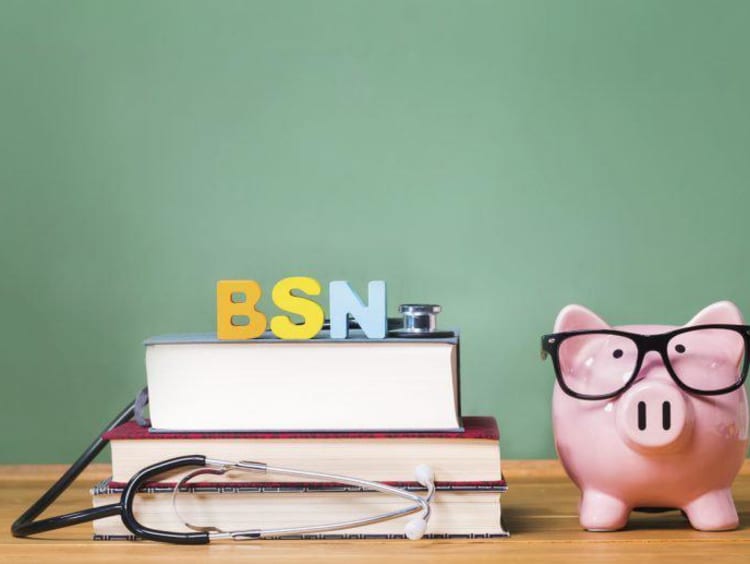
(598, 364)
(707, 359)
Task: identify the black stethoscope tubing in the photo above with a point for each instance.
(125, 507)
(26, 525)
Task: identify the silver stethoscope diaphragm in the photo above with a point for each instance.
(418, 321)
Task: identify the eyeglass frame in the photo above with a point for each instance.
(644, 343)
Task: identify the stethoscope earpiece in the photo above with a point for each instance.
(415, 528)
(424, 475)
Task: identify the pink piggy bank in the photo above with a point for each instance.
(651, 415)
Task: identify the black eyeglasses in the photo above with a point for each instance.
(602, 363)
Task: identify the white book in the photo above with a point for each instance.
(454, 513)
(197, 383)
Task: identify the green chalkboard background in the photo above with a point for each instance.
(500, 158)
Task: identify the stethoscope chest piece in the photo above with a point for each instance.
(419, 321)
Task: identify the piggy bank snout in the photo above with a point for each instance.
(653, 416)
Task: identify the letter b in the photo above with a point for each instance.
(227, 309)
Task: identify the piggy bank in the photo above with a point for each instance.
(651, 416)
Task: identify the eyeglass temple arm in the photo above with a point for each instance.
(542, 350)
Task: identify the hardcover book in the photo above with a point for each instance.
(457, 511)
(198, 383)
(469, 456)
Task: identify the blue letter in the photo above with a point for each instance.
(344, 302)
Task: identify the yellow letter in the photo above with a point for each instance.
(281, 325)
(227, 308)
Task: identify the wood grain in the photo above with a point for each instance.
(539, 510)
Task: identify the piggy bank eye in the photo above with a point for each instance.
(617, 353)
(680, 348)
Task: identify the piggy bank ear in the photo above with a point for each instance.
(575, 317)
(731, 344)
(720, 312)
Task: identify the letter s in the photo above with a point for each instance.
(281, 325)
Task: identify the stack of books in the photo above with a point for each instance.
(371, 409)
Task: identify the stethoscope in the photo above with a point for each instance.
(418, 322)
(26, 524)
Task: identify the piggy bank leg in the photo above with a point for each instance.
(713, 511)
(602, 512)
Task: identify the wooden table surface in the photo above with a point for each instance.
(539, 510)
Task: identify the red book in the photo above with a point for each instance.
(470, 457)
